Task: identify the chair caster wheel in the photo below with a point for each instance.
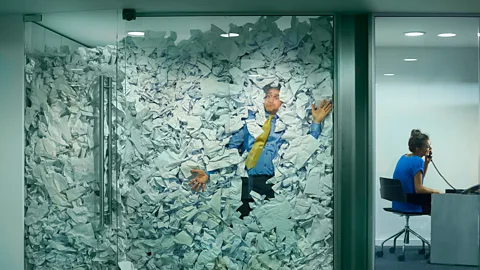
(379, 253)
(401, 258)
(421, 251)
(392, 250)
(427, 256)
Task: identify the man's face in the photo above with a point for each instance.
(272, 101)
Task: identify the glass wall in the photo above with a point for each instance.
(197, 94)
(427, 78)
(120, 127)
(70, 180)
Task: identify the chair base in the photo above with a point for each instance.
(406, 240)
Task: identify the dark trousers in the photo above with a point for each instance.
(427, 209)
(258, 184)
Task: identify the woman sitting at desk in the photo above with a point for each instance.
(411, 169)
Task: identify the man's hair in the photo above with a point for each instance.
(271, 86)
(417, 140)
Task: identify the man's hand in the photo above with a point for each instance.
(319, 113)
(199, 181)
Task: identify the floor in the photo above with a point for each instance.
(413, 261)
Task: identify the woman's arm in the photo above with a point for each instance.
(425, 168)
(420, 188)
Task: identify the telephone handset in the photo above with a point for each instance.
(430, 155)
(472, 190)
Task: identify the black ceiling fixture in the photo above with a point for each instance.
(129, 14)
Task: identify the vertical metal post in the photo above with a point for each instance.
(371, 150)
(110, 151)
(353, 220)
(101, 148)
(478, 81)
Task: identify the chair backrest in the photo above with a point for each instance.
(391, 190)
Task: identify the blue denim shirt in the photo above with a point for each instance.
(243, 141)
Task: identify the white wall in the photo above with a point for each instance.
(438, 94)
(11, 142)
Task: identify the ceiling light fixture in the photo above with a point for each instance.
(136, 34)
(414, 34)
(409, 59)
(229, 35)
(447, 35)
(388, 74)
(478, 34)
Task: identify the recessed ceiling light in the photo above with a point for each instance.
(447, 35)
(388, 74)
(136, 34)
(414, 34)
(229, 35)
(410, 59)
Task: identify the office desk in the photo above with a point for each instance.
(455, 229)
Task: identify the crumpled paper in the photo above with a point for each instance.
(177, 105)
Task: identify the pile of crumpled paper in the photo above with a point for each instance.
(177, 103)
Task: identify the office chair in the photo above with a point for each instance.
(391, 190)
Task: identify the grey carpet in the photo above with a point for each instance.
(413, 261)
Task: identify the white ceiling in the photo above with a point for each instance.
(95, 22)
(434, 65)
(441, 62)
(389, 32)
(262, 6)
(98, 28)
(100, 24)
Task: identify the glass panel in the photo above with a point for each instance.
(426, 80)
(69, 89)
(197, 92)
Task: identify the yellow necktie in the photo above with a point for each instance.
(257, 147)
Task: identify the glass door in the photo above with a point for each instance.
(70, 176)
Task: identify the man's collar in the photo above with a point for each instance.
(267, 115)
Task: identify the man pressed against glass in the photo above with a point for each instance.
(263, 149)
